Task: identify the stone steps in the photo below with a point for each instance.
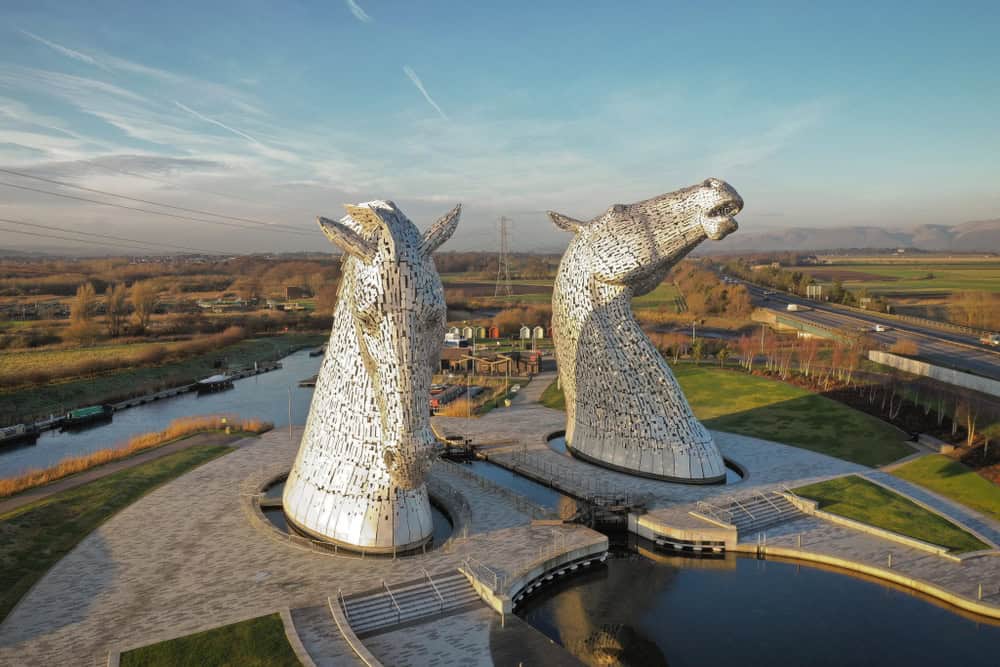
(368, 613)
(762, 511)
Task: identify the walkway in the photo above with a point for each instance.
(185, 558)
(986, 527)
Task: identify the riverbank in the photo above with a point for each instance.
(96, 464)
(32, 403)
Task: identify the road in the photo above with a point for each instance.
(940, 346)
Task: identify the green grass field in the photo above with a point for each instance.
(663, 296)
(916, 277)
(258, 642)
(861, 500)
(953, 480)
(740, 403)
(60, 396)
(553, 397)
(34, 537)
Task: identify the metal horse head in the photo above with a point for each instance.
(395, 302)
(636, 244)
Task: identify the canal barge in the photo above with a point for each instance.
(88, 415)
(213, 384)
(18, 434)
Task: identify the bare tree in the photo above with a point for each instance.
(145, 298)
(807, 354)
(82, 308)
(116, 308)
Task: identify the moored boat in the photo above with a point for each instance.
(87, 415)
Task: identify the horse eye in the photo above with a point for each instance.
(369, 321)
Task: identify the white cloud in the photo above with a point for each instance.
(359, 13)
(423, 91)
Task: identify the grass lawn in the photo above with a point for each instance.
(553, 397)
(953, 480)
(734, 401)
(258, 642)
(740, 403)
(34, 537)
(859, 499)
(57, 397)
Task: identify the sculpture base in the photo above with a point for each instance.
(720, 479)
(397, 549)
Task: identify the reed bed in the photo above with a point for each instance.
(178, 428)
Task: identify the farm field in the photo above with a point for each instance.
(538, 291)
(918, 278)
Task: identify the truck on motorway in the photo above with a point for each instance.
(990, 339)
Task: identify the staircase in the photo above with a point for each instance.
(760, 511)
(389, 607)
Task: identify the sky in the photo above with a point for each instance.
(877, 113)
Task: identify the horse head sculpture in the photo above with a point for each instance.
(623, 406)
(358, 478)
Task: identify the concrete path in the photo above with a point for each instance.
(983, 525)
(321, 638)
(41, 492)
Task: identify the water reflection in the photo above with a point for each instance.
(264, 396)
(736, 610)
(537, 493)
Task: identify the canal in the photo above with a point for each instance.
(644, 608)
(264, 396)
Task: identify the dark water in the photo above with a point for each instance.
(742, 611)
(263, 396)
(533, 491)
(558, 444)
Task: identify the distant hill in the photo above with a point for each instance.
(979, 236)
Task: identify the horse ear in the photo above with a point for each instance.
(346, 239)
(440, 231)
(565, 222)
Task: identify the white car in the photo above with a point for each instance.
(881, 328)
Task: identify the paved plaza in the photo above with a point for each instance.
(187, 557)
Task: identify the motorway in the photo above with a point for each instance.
(939, 346)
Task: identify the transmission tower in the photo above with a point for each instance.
(503, 264)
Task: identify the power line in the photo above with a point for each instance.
(107, 236)
(66, 238)
(146, 210)
(147, 201)
(164, 181)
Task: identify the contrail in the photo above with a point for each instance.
(215, 122)
(359, 13)
(420, 86)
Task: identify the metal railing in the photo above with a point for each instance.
(521, 503)
(579, 481)
(343, 604)
(486, 575)
(718, 513)
(392, 598)
(434, 586)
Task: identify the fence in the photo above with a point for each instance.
(521, 503)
